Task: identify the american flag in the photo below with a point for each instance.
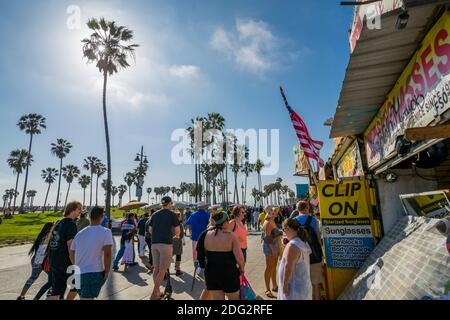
(310, 147)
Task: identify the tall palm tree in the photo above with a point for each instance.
(60, 149)
(122, 189)
(114, 192)
(107, 46)
(91, 164)
(18, 161)
(259, 165)
(129, 179)
(49, 175)
(69, 173)
(32, 124)
(100, 170)
(247, 168)
(84, 181)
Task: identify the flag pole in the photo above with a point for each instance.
(311, 171)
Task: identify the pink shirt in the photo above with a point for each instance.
(241, 233)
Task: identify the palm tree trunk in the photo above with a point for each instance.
(245, 193)
(96, 192)
(26, 177)
(59, 184)
(108, 149)
(90, 197)
(15, 192)
(46, 196)
(84, 196)
(129, 193)
(67, 195)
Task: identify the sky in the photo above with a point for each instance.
(195, 57)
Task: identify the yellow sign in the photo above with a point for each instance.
(345, 214)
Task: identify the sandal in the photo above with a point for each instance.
(269, 294)
(275, 289)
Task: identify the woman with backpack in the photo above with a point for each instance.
(38, 253)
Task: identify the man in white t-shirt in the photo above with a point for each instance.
(90, 252)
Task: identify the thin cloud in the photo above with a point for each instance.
(184, 71)
(251, 45)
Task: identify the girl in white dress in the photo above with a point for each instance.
(128, 255)
(294, 280)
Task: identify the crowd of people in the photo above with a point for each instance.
(76, 252)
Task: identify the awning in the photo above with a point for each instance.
(375, 65)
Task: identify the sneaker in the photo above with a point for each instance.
(115, 268)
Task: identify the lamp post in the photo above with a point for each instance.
(142, 159)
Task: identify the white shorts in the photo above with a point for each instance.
(142, 245)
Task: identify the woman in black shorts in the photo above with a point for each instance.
(220, 254)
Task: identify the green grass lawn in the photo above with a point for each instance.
(24, 228)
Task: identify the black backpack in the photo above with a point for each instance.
(316, 255)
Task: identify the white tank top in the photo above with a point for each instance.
(300, 285)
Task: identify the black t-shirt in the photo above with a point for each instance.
(141, 226)
(64, 231)
(162, 223)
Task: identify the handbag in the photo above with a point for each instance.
(46, 264)
(247, 293)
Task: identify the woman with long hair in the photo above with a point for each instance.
(237, 226)
(220, 254)
(271, 250)
(37, 253)
(294, 273)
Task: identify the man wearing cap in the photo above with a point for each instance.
(161, 226)
(198, 222)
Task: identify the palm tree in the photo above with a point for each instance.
(149, 191)
(31, 194)
(5, 198)
(100, 170)
(106, 46)
(60, 149)
(84, 181)
(69, 173)
(122, 189)
(91, 164)
(11, 194)
(114, 192)
(259, 165)
(19, 160)
(129, 179)
(49, 175)
(32, 124)
(140, 172)
(246, 170)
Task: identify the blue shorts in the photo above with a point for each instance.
(266, 249)
(91, 284)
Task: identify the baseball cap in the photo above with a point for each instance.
(166, 200)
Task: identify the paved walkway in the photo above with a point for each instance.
(136, 284)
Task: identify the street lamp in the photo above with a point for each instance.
(142, 159)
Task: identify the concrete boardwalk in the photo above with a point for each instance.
(136, 284)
